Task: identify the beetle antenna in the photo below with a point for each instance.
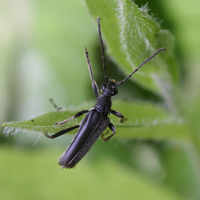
(148, 59)
(102, 49)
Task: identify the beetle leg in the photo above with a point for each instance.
(103, 134)
(61, 132)
(75, 116)
(112, 128)
(116, 113)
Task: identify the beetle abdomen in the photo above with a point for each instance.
(90, 129)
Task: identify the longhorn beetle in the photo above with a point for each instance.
(96, 119)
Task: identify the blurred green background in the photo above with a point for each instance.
(42, 57)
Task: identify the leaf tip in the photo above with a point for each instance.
(9, 130)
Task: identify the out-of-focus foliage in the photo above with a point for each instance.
(42, 57)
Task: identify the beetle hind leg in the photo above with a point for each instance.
(61, 132)
(112, 128)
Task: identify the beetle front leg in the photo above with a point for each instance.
(112, 128)
(75, 116)
(61, 132)
(116, 113)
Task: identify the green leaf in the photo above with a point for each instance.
(131, 36)
(113, 178)
(144, 120)
(181, 169)
(192, 105)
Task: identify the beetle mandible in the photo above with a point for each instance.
(96, 119)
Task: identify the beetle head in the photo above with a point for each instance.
(109, 88)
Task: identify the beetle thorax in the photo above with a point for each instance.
(103, 104)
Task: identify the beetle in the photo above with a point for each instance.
(96, 119)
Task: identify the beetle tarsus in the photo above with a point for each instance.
(103, 134)
(112, 128)
(122, 120)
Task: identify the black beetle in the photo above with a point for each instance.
(96, 119)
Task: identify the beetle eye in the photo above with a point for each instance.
(103, 86)
(115, 91)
